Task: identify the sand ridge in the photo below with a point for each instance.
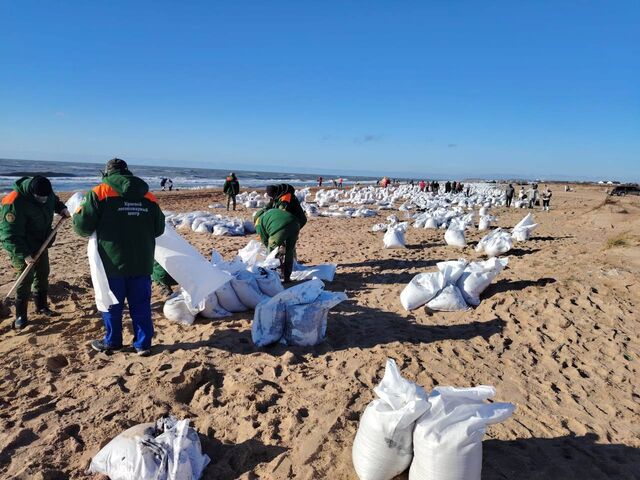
(557, 334)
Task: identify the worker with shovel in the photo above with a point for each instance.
(26, 216)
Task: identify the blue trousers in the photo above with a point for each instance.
(137, 291)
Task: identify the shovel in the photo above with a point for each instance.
(25, 272)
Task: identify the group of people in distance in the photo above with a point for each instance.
(533, 196)
(337, 182)
(126, 219)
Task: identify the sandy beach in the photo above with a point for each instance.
(556, 334)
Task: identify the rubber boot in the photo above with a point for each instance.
(42, 304)
(21, 313)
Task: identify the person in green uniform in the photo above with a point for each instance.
(231, 188)
(283, 196)
(26, 216)
(163, 279)
(279, 229)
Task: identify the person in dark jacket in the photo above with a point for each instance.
(231, 188)
(162, 278)
(26, 215)
(127, 219)
(510, 192)
(279, 229)
(283, 196)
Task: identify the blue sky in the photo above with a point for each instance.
(543, 88)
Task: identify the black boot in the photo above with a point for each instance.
(42, 305)
(21, 313)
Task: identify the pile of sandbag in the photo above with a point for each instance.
(495, 243)
(206, 222)
(438, 435)
(522, 230)
(456, 285)
(166, 450)
(296, 316)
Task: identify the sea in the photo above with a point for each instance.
(73, 177)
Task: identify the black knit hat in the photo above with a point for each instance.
(271, 190)
(116, 165)
(40, 186)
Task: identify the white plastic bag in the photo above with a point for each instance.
(178, 308)
(246, 288)
(325, 272)
(383, 447)
(103, 294)
(447, 439)
(138, 454)
(448, 300)
(212, 309)
(270, 315)
(422, 288)
(455, 237)
(228, 299)
(184, 263)
(306, 324)
(394, 237)
(477, 276)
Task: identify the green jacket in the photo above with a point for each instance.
(231, 186)
(127, 220)
(161, 276)
(269, 222)
(286, 199)
(25, 223)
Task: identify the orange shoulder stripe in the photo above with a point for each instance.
(285, 198)
(103, 191)
(10, 198)
(151, 196)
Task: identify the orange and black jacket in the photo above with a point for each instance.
(126, 218)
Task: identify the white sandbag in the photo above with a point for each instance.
(448, 300)
(422, 288)
(325, 272)
(247, 290)
(228, 299)
(525, 222)
(379, 227)
(495, 243)
(252, 253)
(451, 270)
(394, 238)
(268, 281)
(221, 230)
(477, 276)
(522, 230)
(306, 324)
(103, 294)
(249, 227)
(430, 223)
(484, 223)
(177, 308)
(455, 237)
(270, 316)
(138, 454)
(447, 439)
(383, 447)
(212, 309)
(483, 211)
(203, 228)
(187, 266)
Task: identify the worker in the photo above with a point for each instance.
(279, 228)
(510, 192)
(283, 196)
(127, 219)
(546, 199)
(26, 215)
(231, 188)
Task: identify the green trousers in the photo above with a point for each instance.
(37, 279)
(288, 239)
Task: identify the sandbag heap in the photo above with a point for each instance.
(207, 222)
(455, 286)
(522, 230)
(438, 435)
(166, 450)
(296, 316)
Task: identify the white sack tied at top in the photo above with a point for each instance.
(383, 446)
(495, 243)
(522, 230)
(447, 440)
(187, 266)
